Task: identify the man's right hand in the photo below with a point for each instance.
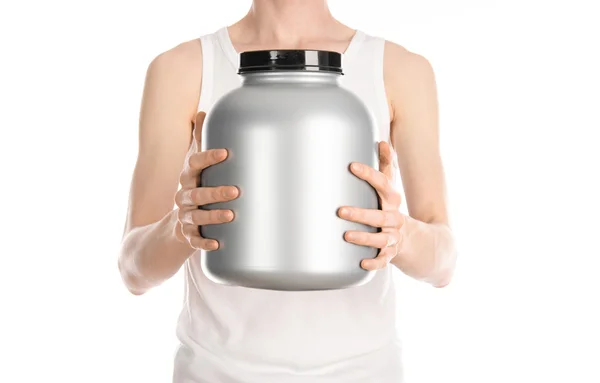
(190, 197)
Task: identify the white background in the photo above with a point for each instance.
(519, 89)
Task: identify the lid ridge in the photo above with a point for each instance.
(290, 59)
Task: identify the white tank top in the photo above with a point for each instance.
(233, 334)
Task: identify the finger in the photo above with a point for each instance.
(198, 123)
(204, 244)
(372, 217)
(192, 234)
(381, 261)
(196, 162)
(205, 195)
(375, 178)
(204, 159)
(205, 217)
(190, 231)
(385, 153)
(378, 240)
(189, 179)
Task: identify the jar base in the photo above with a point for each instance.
(288, 281)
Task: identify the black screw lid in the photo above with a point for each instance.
(290, 59)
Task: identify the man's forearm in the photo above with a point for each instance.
(426, 252)
(152, 254)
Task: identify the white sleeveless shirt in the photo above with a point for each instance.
(232, 334)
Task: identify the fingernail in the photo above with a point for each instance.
(356, 167)
(213, 245)
(346, 212)
(226, 216)
(221, 153)
(350, 236)
(230, 192)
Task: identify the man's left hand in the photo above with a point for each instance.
(389, 218)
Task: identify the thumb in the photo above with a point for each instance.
(385, 158)
(198, 122)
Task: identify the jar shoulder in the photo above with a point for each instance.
(291, 96)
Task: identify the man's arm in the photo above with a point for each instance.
(152, 250)
(426, 250)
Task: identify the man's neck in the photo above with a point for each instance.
(289, 21)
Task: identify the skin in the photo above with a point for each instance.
(158, 239)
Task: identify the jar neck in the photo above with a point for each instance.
(290, 77)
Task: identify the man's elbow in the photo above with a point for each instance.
(445, 276)
(129, 280)
(134, 290)
(444, 280)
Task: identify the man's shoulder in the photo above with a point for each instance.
(400, 61)
(406, 74)
(176, 75)
(184, 56)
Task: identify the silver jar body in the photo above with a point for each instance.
(291, 136)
